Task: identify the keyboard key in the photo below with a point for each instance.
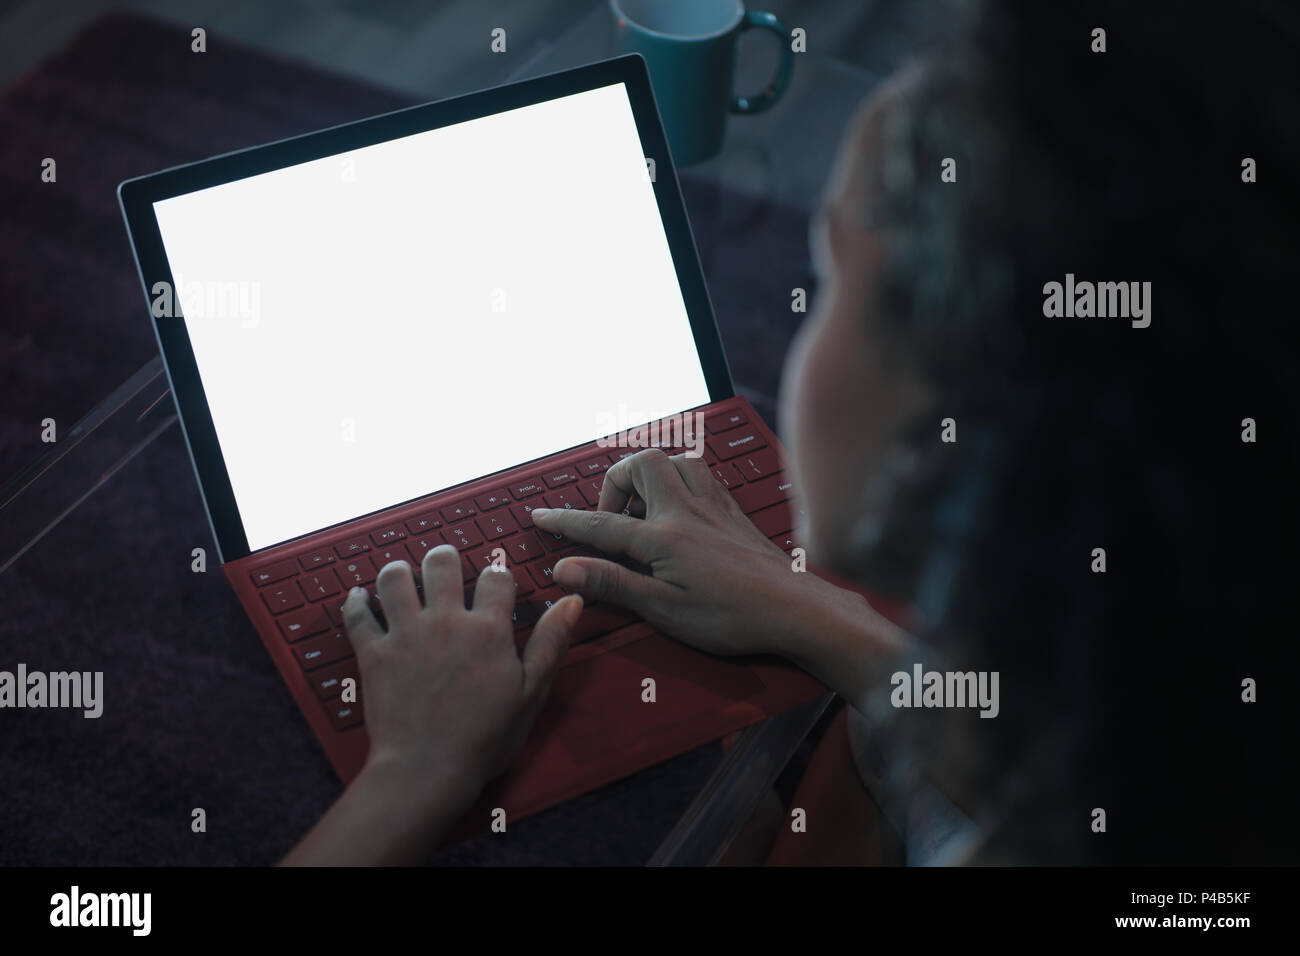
(357, 573)
(424, 524)
(328, 682)
(527, 489)
(524, 547)
(773, 521)
(523, 616)
(387, 536)
(543, 600)
(496, 499)
(543, 571)
(758, 465)
(284, 597)
(727, 477)
(319, 651)
(274, 572)
(554, 542)
(761, 494)
(739, 442)
(421, 545)
(307, 622)
(523, 581)
(497, 525)
(593, 466)
(785, 542)
(565, 476)
(316, 559)
(590, 489)
(348, 549)
(463, 535)
(480, 559)
(384, 556)
(458, 512)
(523, 513)
(342, 715)
(724, 421)
(320, 585)
(568, 498)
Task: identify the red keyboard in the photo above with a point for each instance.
(303, 593)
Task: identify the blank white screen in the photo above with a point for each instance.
(389, 322)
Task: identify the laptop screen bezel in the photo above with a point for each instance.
(137, 197)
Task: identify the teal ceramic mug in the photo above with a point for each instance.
(690, 49)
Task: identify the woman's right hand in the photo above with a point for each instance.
(714, 582)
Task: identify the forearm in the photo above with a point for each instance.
(846, 644)
(388, 816)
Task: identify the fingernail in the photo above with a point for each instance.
(574, 608)
(355, 591)
(569, 574)
(540, 511)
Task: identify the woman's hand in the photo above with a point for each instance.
(446, 693)
(448, 702)
(714, 582)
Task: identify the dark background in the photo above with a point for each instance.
(196, 716)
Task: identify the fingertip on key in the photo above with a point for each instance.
(569, 574)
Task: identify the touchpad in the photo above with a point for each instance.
(603, 702)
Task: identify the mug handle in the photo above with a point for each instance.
(767, 98)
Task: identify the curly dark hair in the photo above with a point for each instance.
(1075, 434)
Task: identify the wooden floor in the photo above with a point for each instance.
(435, 48)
